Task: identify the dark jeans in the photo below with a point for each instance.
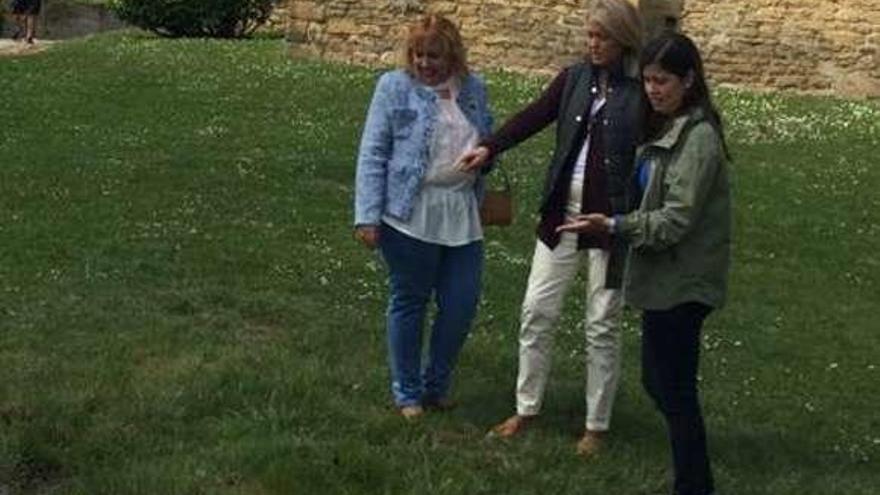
(670, 359)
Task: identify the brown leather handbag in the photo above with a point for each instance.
(497, 206)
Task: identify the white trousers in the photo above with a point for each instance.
(551, 275)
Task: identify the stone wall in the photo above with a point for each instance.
(277, 23)
(520, 35)
(820, 46)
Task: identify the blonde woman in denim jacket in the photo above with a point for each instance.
(420, 210)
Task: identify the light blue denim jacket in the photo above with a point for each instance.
(393, 154)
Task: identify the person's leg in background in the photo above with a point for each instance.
(30, 28)
(20, 26)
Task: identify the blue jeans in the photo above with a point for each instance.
(417, 270)
(670, 361)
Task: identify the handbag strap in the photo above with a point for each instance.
(506, 178)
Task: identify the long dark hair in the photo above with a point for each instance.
(677, 54)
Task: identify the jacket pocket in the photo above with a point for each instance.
(402, 121)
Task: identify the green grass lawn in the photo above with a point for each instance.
(183, 309)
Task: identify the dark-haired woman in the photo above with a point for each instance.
(680, 243)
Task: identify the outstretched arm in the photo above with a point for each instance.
(526, 123)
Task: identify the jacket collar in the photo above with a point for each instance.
(426, 93)
(617, 73)
(423, 91)
(676, 127)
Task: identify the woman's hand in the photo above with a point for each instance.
(591, 223)
(368, 235)
(473, 159)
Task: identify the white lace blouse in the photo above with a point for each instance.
(446, 210)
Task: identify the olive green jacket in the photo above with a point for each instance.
(680, 235)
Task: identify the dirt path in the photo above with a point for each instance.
(10, 48)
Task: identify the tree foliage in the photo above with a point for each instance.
(196, 18)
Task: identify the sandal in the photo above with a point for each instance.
(410, 413)
(591, 443)
(511, 426)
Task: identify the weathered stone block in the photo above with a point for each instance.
(307, 10)
(759, 42)
(297, 31)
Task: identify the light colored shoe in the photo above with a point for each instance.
(591, 443)
(510, 427)
(411, 412)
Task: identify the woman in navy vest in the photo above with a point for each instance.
(596, 106)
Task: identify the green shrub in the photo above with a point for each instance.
(196, 18)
